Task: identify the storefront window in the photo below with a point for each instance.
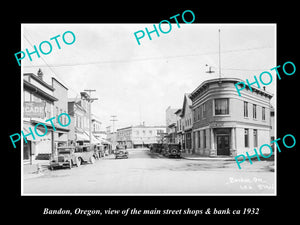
(222, 106)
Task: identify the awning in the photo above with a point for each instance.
(95, 140)
(49, 125)
(26, 131)
(103, 141)
(82, 137)
(85, 137)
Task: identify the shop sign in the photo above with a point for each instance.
(34, 109)
(213, 125)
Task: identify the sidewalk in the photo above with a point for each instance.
(37, 168)
(213, 158)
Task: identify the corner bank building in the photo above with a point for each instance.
(226, 124)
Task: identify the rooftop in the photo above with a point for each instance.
(204, 85)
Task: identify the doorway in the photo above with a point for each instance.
(223, 146)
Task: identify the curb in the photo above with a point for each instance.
(208, 158)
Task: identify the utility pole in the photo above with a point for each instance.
(113, 120)
(219, 55)
(90, 100)
(113, 127)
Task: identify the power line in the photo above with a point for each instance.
(156, 58)
(47, 65)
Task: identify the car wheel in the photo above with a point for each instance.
(92, 160)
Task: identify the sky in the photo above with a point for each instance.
(138, 82)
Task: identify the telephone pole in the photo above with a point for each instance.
(113, 120)
(219, 55)
(90, 100)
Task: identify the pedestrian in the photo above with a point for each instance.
(125, 147)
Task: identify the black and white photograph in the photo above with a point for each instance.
(175, 108)
(149, 112)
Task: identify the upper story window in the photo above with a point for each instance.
(245, 109)
(254, 111)
(203, 110)
(263, 113)
(222, 106)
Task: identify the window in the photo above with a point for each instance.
(246, 137)
(263, 113)
(254, 111)
(199, 111)
(255, 137)
(35, 98)
(198, 139)
(27, 97)
(203, 110)
(245, 109)
(222, 106)
(204, 138)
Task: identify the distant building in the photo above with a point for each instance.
(179, 128)
(187, 123)
(226, 123)
(170, 117)
(78, 109)
(171, 124)
(124, 136)
(112, 138)
(139, 136)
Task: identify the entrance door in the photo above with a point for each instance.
(223, 147)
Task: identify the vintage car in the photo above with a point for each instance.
(65, 158)
(156, 147)
(85, 153)
(121, 153)
(172, 150)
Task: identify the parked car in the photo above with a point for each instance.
(65, 158)
(121, 153)
(85, 153)
(172, 150)
(156, 147)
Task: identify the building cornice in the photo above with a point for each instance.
(33, 88)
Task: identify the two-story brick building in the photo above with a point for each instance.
(38, 103)
(225, 123)
(60, 106)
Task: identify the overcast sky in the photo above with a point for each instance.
(138, 82)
